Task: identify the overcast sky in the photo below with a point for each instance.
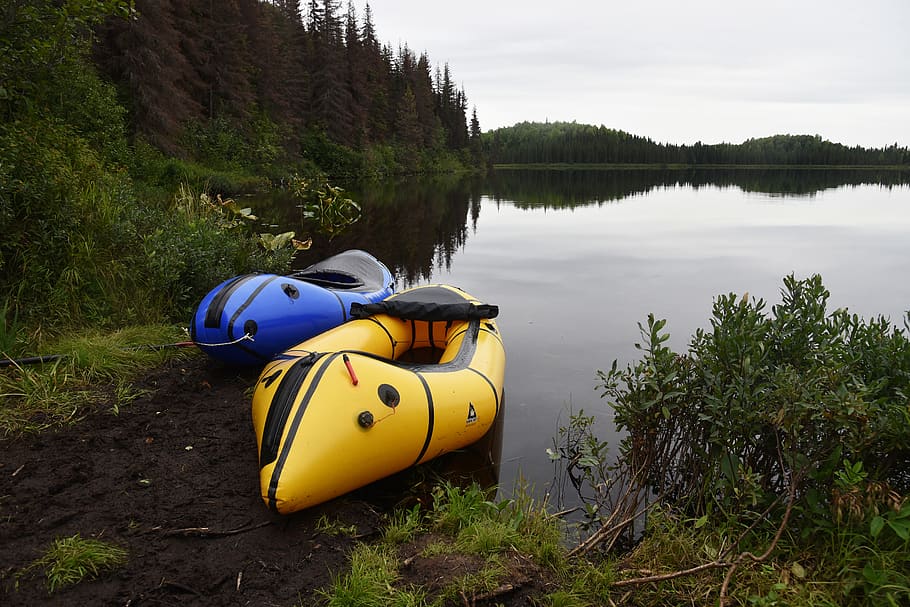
(676, 71)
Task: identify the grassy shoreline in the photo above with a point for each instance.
(736, 535)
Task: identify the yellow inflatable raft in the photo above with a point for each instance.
(415, 376)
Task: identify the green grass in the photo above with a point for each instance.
(334, 527)
(73, 559)
(402, 526)
(374, 568)
(486, 579)
(94, 368)
(845, 568)
(465, 527)
(11, 331)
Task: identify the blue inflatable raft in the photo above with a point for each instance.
(249, 319)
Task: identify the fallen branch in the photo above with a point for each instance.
(486, 596)
(791, 500)
(207, 532)
(630, 499)
(720, 562)
(636, 581)
(496, 592)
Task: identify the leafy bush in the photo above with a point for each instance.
(45, 168)
(152, 169)
(762, 403)
(325, 205)
(794, 420)
(321, 151)
(197, 244)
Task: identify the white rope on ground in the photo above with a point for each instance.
(246, 337)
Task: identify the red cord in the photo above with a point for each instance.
(347, 363)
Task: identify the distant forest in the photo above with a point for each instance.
(252, 77)
(568, 142)
(572, 186)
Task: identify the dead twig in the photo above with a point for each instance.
(672, 575)
(734, 563)
(791, 500)
(563, 513)
(496, 592)
(408, 561)
(630, 500)
(207, 532)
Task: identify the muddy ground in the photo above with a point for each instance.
(173, 478)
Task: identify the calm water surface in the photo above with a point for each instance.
(575, 260)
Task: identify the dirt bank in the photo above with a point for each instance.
(173, 478)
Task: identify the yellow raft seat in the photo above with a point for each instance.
(350, 406)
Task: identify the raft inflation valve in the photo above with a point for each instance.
(365, 419)
(250, 327)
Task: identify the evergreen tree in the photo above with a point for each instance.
(232, 67)
(330, 96)
(278, 41)
(356, 77)
(421, 84)
(475, 140)
(223, 63)
(407, 126)
(145, 54)
(377, 86)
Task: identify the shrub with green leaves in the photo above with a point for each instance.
(789, 429)
(199, 242)
(762, 402)
(325, 204)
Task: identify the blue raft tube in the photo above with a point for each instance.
(249, 319)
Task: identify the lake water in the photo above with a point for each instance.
(576, 259)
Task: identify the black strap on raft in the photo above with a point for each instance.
(429, 311)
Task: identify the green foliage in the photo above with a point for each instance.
(374, 568)
(221, 144)
(38, 42)
(200, 242)
(483, 527)
(319, 149)
(402, 526)
(73, 559)
(378, 162)
(582, 460)
(11, 331)
(769, 423)
(331, 526)
(79, 247)
(455, 509)
(572, 143)
(483, 534)
(91, 366)
(56, 204)
(760, 403)
(325, 205)
(152, 168)
(485, 578)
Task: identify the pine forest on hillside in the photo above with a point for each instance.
(285, 79)
(568, 142)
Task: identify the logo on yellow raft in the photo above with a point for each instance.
(472, 414)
